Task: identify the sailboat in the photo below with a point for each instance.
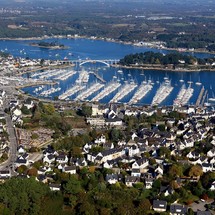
(212, 99)
(198, 83)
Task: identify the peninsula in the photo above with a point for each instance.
(172, 61)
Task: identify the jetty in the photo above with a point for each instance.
(125, 90)
(85, 94)
(98, 76)
(111, 87)
(198, 101)
(141, 92)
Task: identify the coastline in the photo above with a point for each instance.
(47, 67)
(162, 69)
(104, 39)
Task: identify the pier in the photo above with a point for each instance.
(203, 98)
(198, 101)
(98, 76)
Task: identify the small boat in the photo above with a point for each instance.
(212, 99)
(181, 80)
(198, 83)
(120, 71)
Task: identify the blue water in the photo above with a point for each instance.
(95, 49)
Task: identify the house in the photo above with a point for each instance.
(29, 104)
(207, 167)
(149, 183)
(140, 164)
(176, 209)
(113, 122)
(70, 169)
(50, 158)
(211, 153)
(21, 149)
(159, 171)
(159, 205)
(55, 187)
(193, 155)
(203, 213)
(4, 174)
(135, 172)
(212, 186)
(110, 154)
(108, 164)
(97, 111)
(42, 178)
(22, 160)
(130, 180)
(62, 158)
(96, 121)
(113, 178)
(100, 140)
(133, 150)
(43, 170)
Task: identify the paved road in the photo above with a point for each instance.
(12, 136)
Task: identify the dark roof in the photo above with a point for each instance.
(159, 204)
(55, 185)
(178, 209)
(203, 213)
(132, 179)
(68, 168)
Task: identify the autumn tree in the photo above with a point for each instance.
(195, 171)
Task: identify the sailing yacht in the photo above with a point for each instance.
(198, 83)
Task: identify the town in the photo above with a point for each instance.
(166, 154)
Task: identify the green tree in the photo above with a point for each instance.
(23, 196)
(86, 110)
(73, 185)
(175, 171)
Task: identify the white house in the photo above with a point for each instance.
(54, 187)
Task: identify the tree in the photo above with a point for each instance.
(175, 171)
(23, 196)
(73, 185)
(86, 110)
(32, 172)
(25, 110)
(195, 171)
(22, 169)
(164, 152)
(144, 206)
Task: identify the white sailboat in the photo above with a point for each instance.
(198, 83)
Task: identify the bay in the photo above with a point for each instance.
(100, 50)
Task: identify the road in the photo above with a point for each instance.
(9, 163)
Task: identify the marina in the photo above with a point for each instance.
(65, 76)
(162, 93)
(143, 89)
(72, 91)
(83, 77)
(109, 88)
(125, 90)
(183, 96)
(92, 89)
(95, 67)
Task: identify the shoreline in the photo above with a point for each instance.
(104, 39)
(162, 69)
(47, 67)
